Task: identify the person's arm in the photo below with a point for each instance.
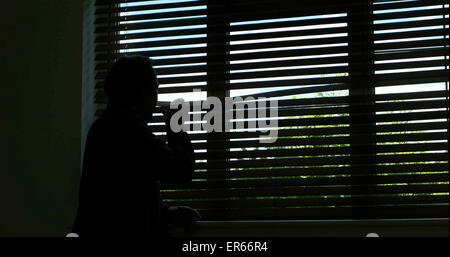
(182, 152)
(181, 145)
(172, 162)
(180, 216)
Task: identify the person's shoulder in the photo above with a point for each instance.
(99, 123)
(101, 127)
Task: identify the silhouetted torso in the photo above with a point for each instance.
(122, 167)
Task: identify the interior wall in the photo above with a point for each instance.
(88, 108)
(40, 123)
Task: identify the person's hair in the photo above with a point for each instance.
(126, 79)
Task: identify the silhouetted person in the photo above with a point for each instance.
(124, 162)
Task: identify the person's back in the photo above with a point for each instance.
(122, 167)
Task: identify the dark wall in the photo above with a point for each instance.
(40, 115)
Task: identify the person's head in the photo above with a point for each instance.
(132, 84)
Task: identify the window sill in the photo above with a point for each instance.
(317, 228)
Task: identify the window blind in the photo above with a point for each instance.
(362, 91)
(411, 103)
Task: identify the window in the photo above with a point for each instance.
(362, 90)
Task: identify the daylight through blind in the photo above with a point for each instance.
(362, 91)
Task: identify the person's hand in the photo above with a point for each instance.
(183, 216)
(168, 113)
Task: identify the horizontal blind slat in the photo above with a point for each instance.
(380, 212)
(319, 171)
(318, 201)
(305, 181)
(302, 191)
